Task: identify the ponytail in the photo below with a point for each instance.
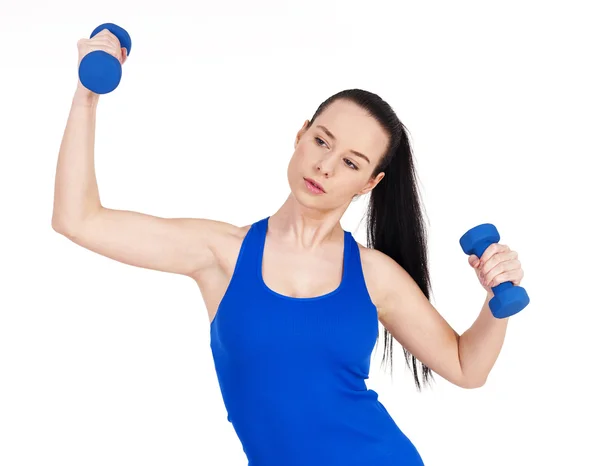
(395, 226)
(395, 223)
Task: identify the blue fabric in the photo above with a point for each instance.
(292, 370)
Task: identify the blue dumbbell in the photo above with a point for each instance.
(99, 71)
(508, 299)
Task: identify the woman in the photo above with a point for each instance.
(293, 300)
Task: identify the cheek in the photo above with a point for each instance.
(294, 165)
(298, 159)
(300, 152)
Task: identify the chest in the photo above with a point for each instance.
(285, 272)
(301, 275)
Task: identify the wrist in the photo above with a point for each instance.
(84, 96)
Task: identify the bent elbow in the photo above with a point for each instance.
(472, 384)
(61, 229)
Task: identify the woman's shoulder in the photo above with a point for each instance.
(372, 257)
(380, 271)
(376, 261)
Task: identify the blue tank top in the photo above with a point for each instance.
(292, 370)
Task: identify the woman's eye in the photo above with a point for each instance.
(319, 139)
(354, 167)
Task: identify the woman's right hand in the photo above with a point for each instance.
(105, 41)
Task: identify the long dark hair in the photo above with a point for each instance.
(395, 224)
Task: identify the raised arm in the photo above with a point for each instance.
(177, 245)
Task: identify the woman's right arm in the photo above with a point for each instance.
(177, 245)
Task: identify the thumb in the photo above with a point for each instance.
(473, 260)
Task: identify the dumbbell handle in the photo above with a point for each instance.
(478, 249)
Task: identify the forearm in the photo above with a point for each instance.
(480, 345)
(76, 190)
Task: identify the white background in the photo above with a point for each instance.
(103, 363)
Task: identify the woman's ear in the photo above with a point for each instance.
(301, 133)
(372, 184)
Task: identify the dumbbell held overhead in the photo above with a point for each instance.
(100, 72)
(508, 299)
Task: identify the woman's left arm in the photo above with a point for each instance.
(464, 360)
(480, 345)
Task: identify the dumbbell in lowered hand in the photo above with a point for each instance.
(508, 299)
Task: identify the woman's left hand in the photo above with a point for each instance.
(496, 265)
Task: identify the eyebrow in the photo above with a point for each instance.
(330, 134)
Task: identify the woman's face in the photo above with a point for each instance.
(328, 152)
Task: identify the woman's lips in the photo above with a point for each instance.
(312, 187)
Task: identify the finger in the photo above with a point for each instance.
(473, 260)
(503, 267)
(114, 43)
(106, 35)
(513, 276)
(497, 259)
(491, 252)
(108, 49)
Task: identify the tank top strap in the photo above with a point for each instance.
(250, 251)
(355, 279)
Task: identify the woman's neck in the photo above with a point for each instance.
(304, 226)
